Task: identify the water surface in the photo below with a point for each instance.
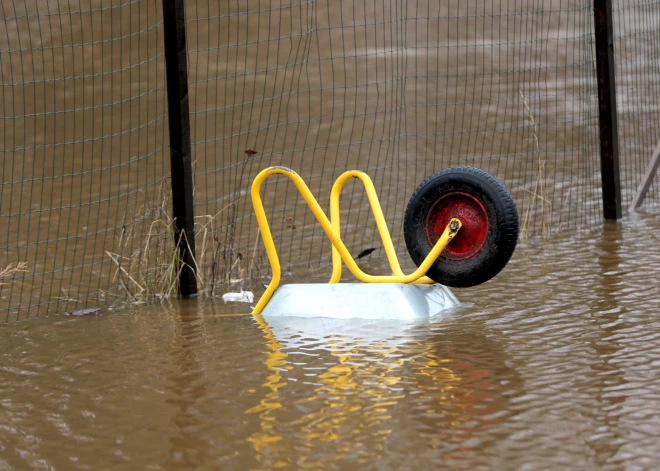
(553, 364)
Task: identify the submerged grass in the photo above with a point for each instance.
(147, 262)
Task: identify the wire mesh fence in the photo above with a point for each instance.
(637, 32)
(397, 89)
(82, 141)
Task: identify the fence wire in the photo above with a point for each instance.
(398, 89)
(83, 133)
(637, 58)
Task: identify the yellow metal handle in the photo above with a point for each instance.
(380, 223)
(333, 234)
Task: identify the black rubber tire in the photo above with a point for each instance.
(501, 236)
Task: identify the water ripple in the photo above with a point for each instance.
(553, 364)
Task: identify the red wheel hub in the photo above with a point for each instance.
(472, 236)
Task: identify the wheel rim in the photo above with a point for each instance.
(474, 232)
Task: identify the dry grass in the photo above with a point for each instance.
(11, 271)
(147, 260)
(540, 202)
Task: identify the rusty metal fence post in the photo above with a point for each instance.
(180, 147)
(607, 113)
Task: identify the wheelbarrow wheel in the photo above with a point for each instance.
(489, 231)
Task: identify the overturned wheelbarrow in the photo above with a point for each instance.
(460, 228)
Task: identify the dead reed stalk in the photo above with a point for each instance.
(538, 192)
(11, 271)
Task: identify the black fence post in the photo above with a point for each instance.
(609, 138)
(176, 56)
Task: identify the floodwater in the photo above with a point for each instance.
(554, 364)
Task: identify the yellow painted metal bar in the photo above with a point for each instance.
(378, 215)
(384, 232)
(450, 231)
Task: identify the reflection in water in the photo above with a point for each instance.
(460, 391)
(608, 316)
(275, 362)
(362, 375)
(355, 385)
(186, 384)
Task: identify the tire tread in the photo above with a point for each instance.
(506, 214)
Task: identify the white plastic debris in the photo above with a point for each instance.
(242, 297)
(82, 312)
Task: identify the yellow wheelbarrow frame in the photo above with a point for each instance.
(332, 229)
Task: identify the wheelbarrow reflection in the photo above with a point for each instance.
(338, 388)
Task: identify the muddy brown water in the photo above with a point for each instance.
(554, 364)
